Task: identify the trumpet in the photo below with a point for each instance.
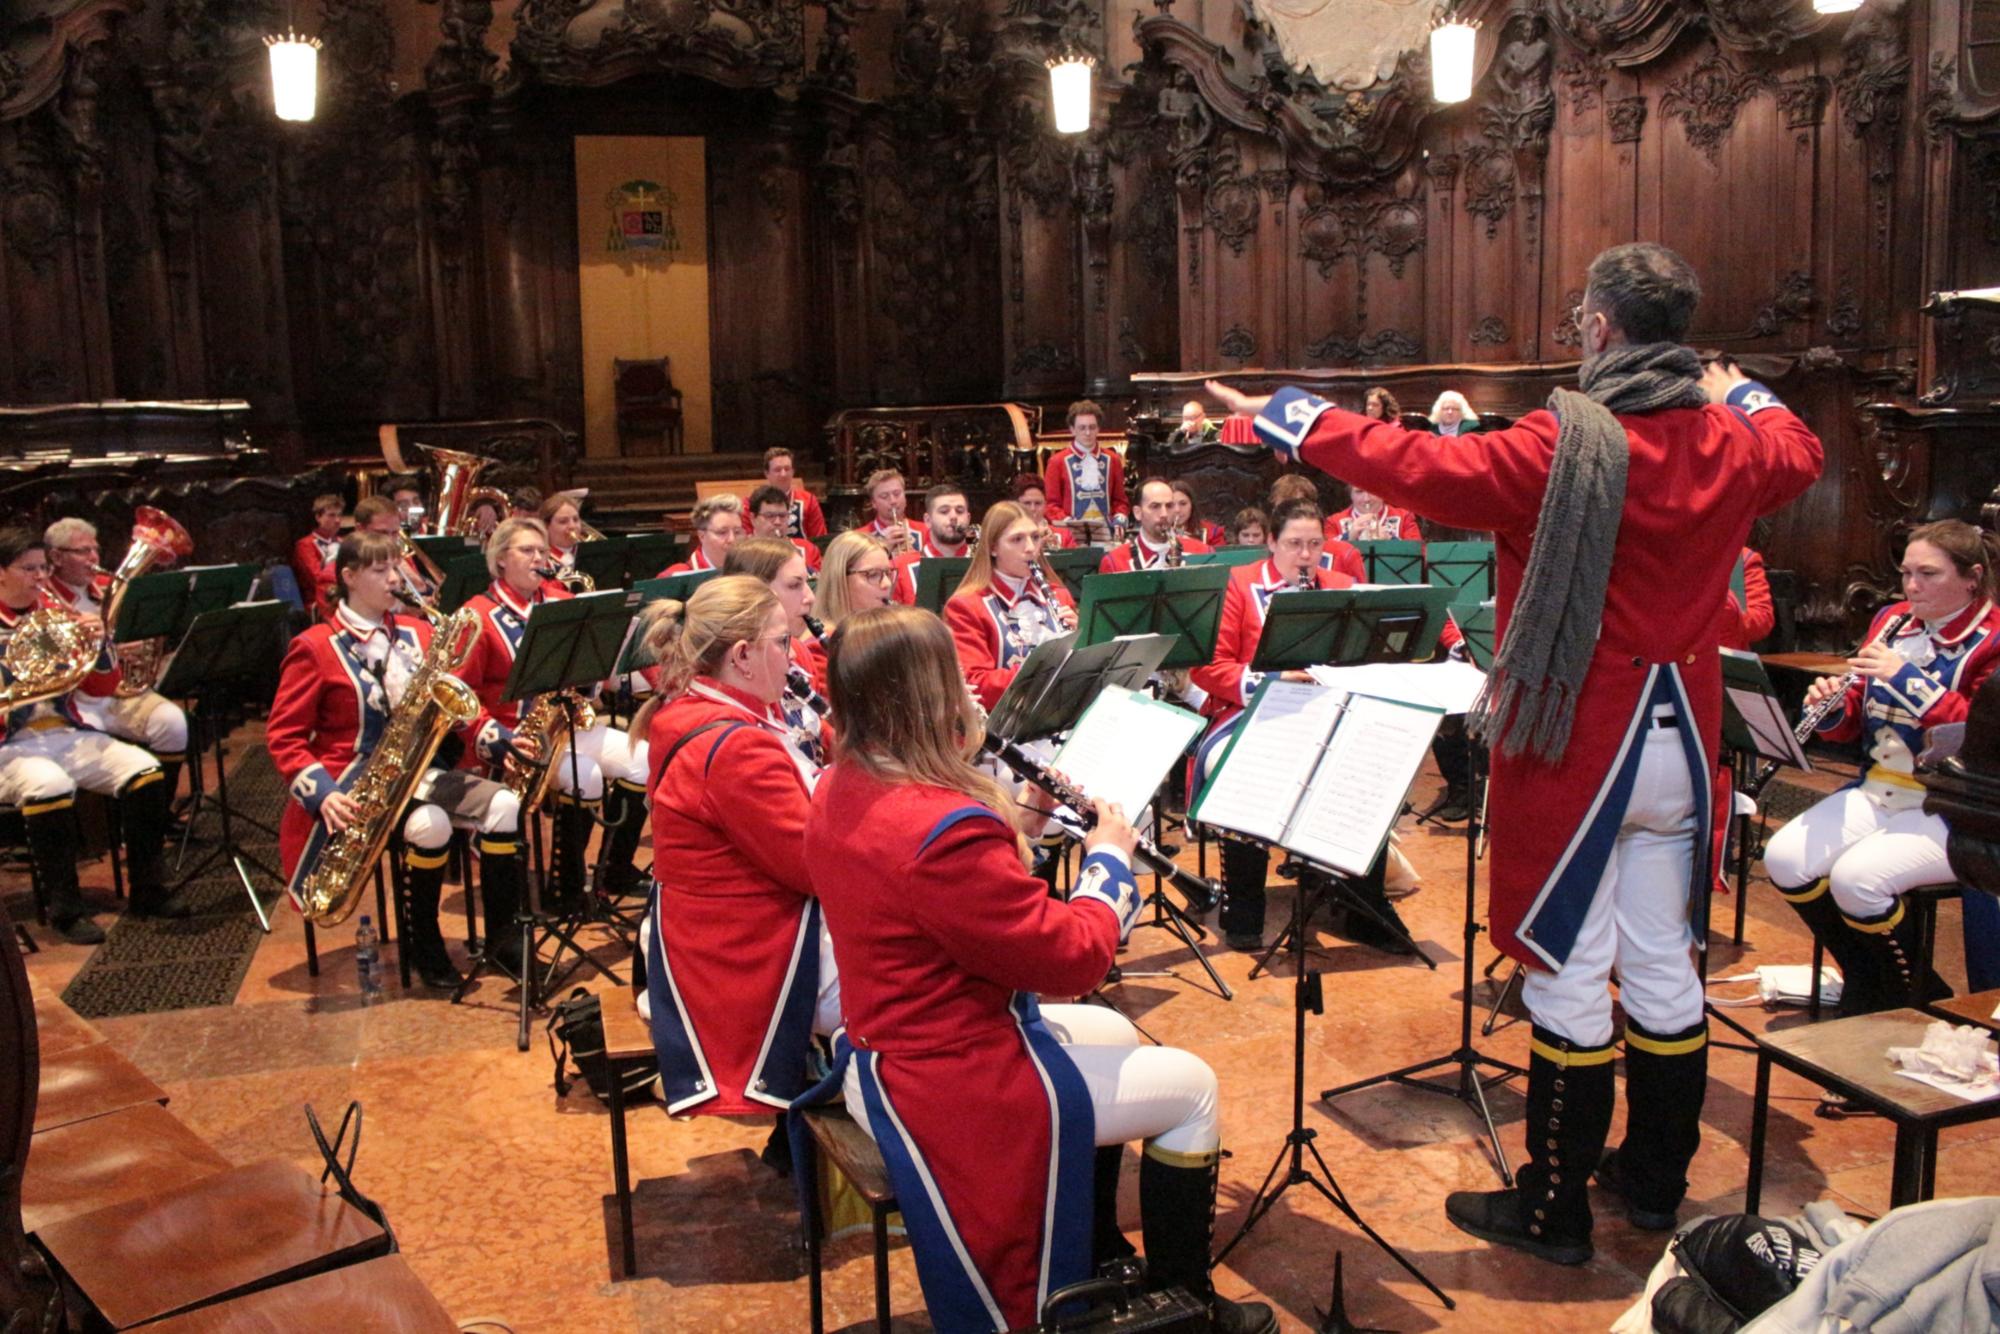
(1812, 717)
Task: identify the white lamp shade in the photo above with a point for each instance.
(1451, 60)
(294, 75)
(1069, 87)
(1835, 6)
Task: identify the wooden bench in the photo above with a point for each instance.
(848, 1148)
(108, 1160)
(87, 1081)
(382, 1296)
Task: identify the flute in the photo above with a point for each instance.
(1810, 720)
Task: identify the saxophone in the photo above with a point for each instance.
(329, 889)
(547, 722)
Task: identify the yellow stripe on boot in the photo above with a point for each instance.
(1877, 926)
(1578, 1056)
(1638, 1041)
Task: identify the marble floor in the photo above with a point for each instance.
(500, 1192)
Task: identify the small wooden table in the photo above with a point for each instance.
(1976, 1008)
(1849, 1057)
(1815, 664)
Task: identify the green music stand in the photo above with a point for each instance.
(1348, 626)
(1228, 557)
(1477, 623)
(1075, 564)
(647, 553)
(938, 577)
(165, 604)
(442, 549)
(1186, 602)
(605, 562)
(678, 586)
(1393, 562)
(465, 577)
(1465, 566)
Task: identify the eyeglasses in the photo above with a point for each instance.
(89, 549)
(881, 576)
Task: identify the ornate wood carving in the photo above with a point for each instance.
(1874, 67)
(1705, 100)
(1583, 77)
(1803, 100)
(1238, 344)
(743, 44)
(1331, 232)
(1566, 333)
(1626, 116)
(1491, 331)
(1384, 347)
(1489, 185)
(1792, 304)
(1232, 210)
(36, 50)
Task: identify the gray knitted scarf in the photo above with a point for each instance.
(1530, 698)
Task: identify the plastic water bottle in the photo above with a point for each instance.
(368, 960)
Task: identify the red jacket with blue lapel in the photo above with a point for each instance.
(1056, 484)
(995, 630)
(503, 620)
(905, 589)
(1697, 478)
(1118, 560)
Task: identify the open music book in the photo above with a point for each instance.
(1319, 772)
(1124, 746)
(1752, 718)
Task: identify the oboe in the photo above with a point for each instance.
(815, 627)
(1201, 894)
(1810, 720)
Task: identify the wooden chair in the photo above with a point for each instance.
(88, 1081)
(628, 1046)
(848, 1147)
(382, 1295)
(647, 402)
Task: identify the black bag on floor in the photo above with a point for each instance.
(576, 1034)
(1738, 1268)
(1118, 1308)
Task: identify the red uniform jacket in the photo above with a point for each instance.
(1398, 525)
(697, 560)
(1697, 478)
(1344, 558)
(810, 550)
(735, 967)
(807, 520)
(89, 600)
(1746, 622)
(1118, 560)
(996, 629)
(943, 941)
(328, 713)
(905, 588)
(1056, 484)
(312, 562)
(98, 684)
(1227, 676)
(503, 619)
(1937, 686)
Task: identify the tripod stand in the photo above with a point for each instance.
(1470, 1086)
(1168, 916)
(1333, 891)
(1291, 1159)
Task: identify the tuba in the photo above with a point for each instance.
(47, 656)
(156, 540)
(455, 486)
(329, 888)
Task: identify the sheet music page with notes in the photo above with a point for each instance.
(1357, 791)
(1124, 746)
(1270, 759)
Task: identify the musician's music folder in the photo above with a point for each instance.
(1752, 718)
(1124, 745)
(1318, 772)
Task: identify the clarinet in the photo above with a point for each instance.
(1810, 720)
(798, 681)
(815, 627)
(1201, 894)
(1038, 579)
(1306, 580)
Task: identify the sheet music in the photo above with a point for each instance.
(1357, 791)
(1270, 759)
(1451, 686)
(1768, 728)
(1124, 746)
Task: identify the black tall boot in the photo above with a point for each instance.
(625, 818)
(1107, 1240)
(170, 770)
(573, 822)
(502, 882)
(423, 883)
(1177, 1219)
(1890, 942)
(52, 848)
(143, 811)
(1245, 866)
(1822, 916)
(1547, 1214)
(1666, 1080)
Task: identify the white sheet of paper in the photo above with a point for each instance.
(1451, 686)
(1124, 745)
(1270, 760)
(1768, 727)
(1357, 791)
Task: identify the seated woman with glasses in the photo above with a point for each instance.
(856, 574)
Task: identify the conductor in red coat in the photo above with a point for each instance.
(1604, 709)
(1297, 540)
(986, 1105)
(738, 974)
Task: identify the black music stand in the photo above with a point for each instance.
(569, 643)
(1393, 561)
(1465, 566)
(465, 577)
(680, 586)
(441, 549)
(1186, 602)
(226, 651)
(1073, 565)
(646, 554)
(606, 561)
(937, 578)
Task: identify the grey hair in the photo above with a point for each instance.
(63, 532)
(709, 506)
(1453, 396)
(1645, 290)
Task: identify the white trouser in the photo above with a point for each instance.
(150, 720)
(826, 1007)
(601, 754)
(447, 797)
(1870, 842)
(1638, 920)
(620, 757)
(1163, 1095)
(53, 763)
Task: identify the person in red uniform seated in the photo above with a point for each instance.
(1604, 713)
(888, 510)
(50, 748)
(1368, 519)
(1187, 516)
(776, 563)
(562, 516)
(717, 522)
(1158, 543)
(1009, 601)
(1343, 557)
(336, 690)
(804, 518)
(738, 974)
(600, 765)
(857, 576)
(1297, 540)
(946, 532)
(769, 513)
(986, 1104)
(312, 555)
(1249, 527)
(1085, 484)
(1034, 501)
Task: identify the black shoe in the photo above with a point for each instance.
(432, 973)
(161, 903)
(1496, 1216)
(1646, 1220)
(1453, 806)
(1244, 942)
(80, 931)
(625, 882)
(777, 1151)
(1241, 1317)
